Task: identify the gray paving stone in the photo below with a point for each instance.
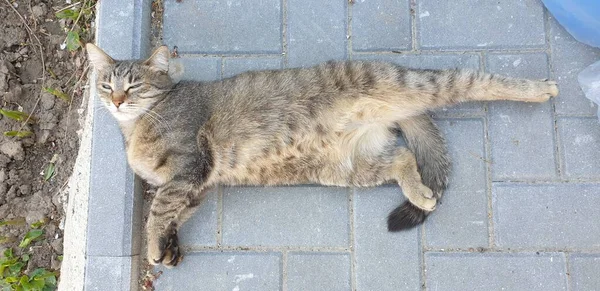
(461, 220)
(316, 31)
(201, 228)
(584, 270)
(432, 61)
(318, 271)
(560, 216)
(384, 260)
(569, 57)
(223, 271)
(232, 26)
(111, 273)
(480, 25)
(468, 271)
(522, 137)
(201, 69)
(123, 32)
(285, 216)
(234, 66)
(580, 145)
(527, 65)
(521, 134)
(381, 25)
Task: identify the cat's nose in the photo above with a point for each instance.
(118, 102)
(118, 99)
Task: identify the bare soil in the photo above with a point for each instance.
(25, 195)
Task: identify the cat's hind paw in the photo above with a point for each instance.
(543, 91)
(421, 196)
(549, 88)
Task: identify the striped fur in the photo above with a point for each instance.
(333, 124)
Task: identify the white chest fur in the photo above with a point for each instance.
(144, 165)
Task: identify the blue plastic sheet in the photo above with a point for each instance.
(581, 18)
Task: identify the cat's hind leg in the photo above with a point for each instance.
(398, 164)
(422, 90)
(490, 87)
(425, 140)
(421, 200)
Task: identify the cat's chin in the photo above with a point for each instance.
(124, 116)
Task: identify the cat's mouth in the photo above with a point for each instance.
(123, 112)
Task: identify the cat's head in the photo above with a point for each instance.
(129, 88)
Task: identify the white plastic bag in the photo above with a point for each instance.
(589, 80)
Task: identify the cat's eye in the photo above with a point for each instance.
(107, 87)
(134, 86)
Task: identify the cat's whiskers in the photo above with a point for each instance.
(156, 119)
(132, 108)
(101, 110)
(159, 118)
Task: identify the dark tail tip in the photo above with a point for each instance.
(406, 216)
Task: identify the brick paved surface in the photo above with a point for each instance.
(522, 209)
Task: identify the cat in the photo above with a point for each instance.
(333, 124)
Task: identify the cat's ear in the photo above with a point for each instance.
(98, 58)
(159, 59)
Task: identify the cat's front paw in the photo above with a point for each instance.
(164, 249)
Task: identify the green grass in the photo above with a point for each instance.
(13, 275)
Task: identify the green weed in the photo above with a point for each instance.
(12, 268)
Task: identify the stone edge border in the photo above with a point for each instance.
(103, 216)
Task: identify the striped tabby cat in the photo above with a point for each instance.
(333, 124)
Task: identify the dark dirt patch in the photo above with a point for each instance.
(24, 193)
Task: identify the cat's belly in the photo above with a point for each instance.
(312, 158)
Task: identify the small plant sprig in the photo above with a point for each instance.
(80, 16)
(50, 169)
(57, 93)
(18, 116)
(12, 273)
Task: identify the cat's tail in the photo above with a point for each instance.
(425, 140)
